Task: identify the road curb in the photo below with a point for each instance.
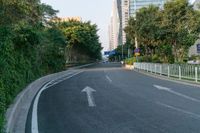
(82, 66)
(175, 80)
(17, 113)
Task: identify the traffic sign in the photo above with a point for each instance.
(110, 52)
(137, 50)
(137, 54)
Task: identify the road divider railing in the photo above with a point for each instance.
(180, 71)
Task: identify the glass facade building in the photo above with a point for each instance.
(135, 5)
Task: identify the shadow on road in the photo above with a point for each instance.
(104, 66)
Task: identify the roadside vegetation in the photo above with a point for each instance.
(31, 45)
(165, 34)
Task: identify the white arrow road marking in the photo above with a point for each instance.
(179, 110)
(176, 93)
(90, 97)
(108, 78)
(34, 122)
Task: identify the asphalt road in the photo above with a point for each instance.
(122, 101)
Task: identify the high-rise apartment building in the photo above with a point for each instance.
(135, 5)
(119, 8)
(114, 27)
(125, 17)
(111, 35)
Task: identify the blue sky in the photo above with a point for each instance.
(97, 11)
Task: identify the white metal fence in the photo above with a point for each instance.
(190, 72)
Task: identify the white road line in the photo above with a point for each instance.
(108, 78)
(62, 79)
(194, 115)
(90, 97)
(34, 122)
(176, 93)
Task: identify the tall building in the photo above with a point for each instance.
(125, 17)
(114, 27)
(135, 5)
(119, 8)
(110, 30)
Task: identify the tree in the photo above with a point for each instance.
(181, 24)
(82, 41)
(166, 32)
(23, 27)
(145, 28)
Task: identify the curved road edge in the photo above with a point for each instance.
(17, 113)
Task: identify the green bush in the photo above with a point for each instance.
(2, 106)
(148, 58)
(130, 61)
(145, 58)
(155, 59)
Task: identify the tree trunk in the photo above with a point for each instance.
(175, 51)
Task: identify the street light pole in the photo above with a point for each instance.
(136, 42)
(122, 52)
